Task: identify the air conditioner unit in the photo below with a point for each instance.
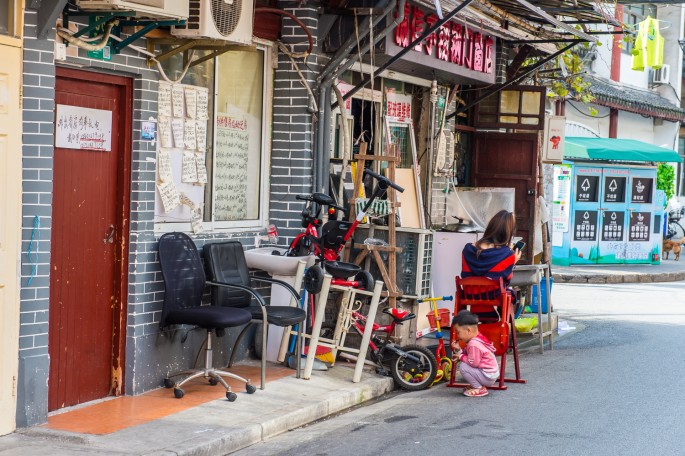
(148, 9)
(228, 20)
(661, 76)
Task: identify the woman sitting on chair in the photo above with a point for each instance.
(492, 256)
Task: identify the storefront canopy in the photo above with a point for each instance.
(631, 150)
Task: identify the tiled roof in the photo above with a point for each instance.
(644, 102)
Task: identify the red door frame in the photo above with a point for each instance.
(123, 194)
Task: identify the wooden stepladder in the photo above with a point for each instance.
(389, 273)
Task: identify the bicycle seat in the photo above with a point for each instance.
(399, 315)
(323, 199)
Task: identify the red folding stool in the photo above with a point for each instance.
(481, 295)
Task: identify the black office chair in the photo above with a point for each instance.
(184, 282)
(226, 265)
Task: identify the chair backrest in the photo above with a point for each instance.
(226, 263)
(482, 295)
(182, 271)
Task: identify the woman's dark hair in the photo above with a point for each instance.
(465, 318)
(500, 230)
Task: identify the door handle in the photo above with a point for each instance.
(109, 238)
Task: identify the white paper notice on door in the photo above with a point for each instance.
(202, 103)
(201, 167)
(83, 128)
(189, 139)
(191, 102)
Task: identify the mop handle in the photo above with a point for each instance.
(439, 298)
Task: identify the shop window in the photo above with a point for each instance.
(236, 192)
(633, 15)
(516, 108)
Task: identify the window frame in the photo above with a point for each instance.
(15, 23)
(265, 197)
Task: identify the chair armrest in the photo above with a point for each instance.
(256, 295)
(285, 285)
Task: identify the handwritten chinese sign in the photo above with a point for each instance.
(232, 148)
(83, 128)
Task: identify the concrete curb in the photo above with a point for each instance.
(565, 277)
(215, 427)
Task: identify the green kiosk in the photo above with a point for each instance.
(606, 209)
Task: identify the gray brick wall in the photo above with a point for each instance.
(150, 354)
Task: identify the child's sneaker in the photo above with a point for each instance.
(476, 392)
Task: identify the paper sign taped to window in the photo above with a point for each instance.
(191, 102)
(189, 168)
(201, 135)
(189, 139)
(196, 220)
(202, 103)
(164, 166)
(177, 130)
(177, 100)
(165, 137)
(201, 167)
(164, 100)
(169, 195)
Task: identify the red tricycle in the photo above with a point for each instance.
(327, 241)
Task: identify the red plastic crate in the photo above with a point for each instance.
(444, 316)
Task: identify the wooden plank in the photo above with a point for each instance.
(384, 158)
(411, 215)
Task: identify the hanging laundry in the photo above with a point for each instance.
(648, 50)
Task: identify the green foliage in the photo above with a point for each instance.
(665, 177)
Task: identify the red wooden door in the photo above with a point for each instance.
(89, 248)
(510, 161)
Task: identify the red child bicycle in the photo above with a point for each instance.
(327, 241)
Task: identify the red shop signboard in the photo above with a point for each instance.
(454, 48)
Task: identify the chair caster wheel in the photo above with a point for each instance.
(250, 388)
(168, 383)
(213, 381)
(231, 396)
(178, 393)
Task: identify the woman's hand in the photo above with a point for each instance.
(517, 254)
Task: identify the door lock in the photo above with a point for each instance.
(531, 191)
(109, 239)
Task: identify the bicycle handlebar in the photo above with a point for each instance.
(383, 181)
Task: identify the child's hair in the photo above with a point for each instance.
(465, 318)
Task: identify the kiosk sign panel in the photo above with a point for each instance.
(614, 189)
(585, 226)
(587, 188)
(639, 226)
(612, 226)
(641, 191)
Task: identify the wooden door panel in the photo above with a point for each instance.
(86, 272)
(509, 161)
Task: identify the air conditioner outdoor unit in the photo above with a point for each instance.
(148, 9)
(661, 76)
(228, 20)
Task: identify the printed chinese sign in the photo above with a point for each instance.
(614, 189)
(83, 128)
(639, 226)
(585, 223)
(562, 197)
(641, 191)
(612, 226)
(398, 106)
(586, 188)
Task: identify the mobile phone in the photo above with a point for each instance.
(519, 245)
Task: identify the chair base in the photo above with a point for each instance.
(213, 376)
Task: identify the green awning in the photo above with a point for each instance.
(631, 150)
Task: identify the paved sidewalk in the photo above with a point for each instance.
(667, 271)
(217, 427)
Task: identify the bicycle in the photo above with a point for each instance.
(674, 229)
(412, 367)
(327, 241)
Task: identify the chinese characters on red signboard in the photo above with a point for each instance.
(452, 42)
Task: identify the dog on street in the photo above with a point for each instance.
(674, 246)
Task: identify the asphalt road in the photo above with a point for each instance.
(613, 387)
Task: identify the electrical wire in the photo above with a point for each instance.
(313, 105)
(66, 35)
(587, 115)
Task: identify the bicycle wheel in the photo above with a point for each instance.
(414, 376)
(675, 231)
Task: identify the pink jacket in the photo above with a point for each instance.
(480, 353)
